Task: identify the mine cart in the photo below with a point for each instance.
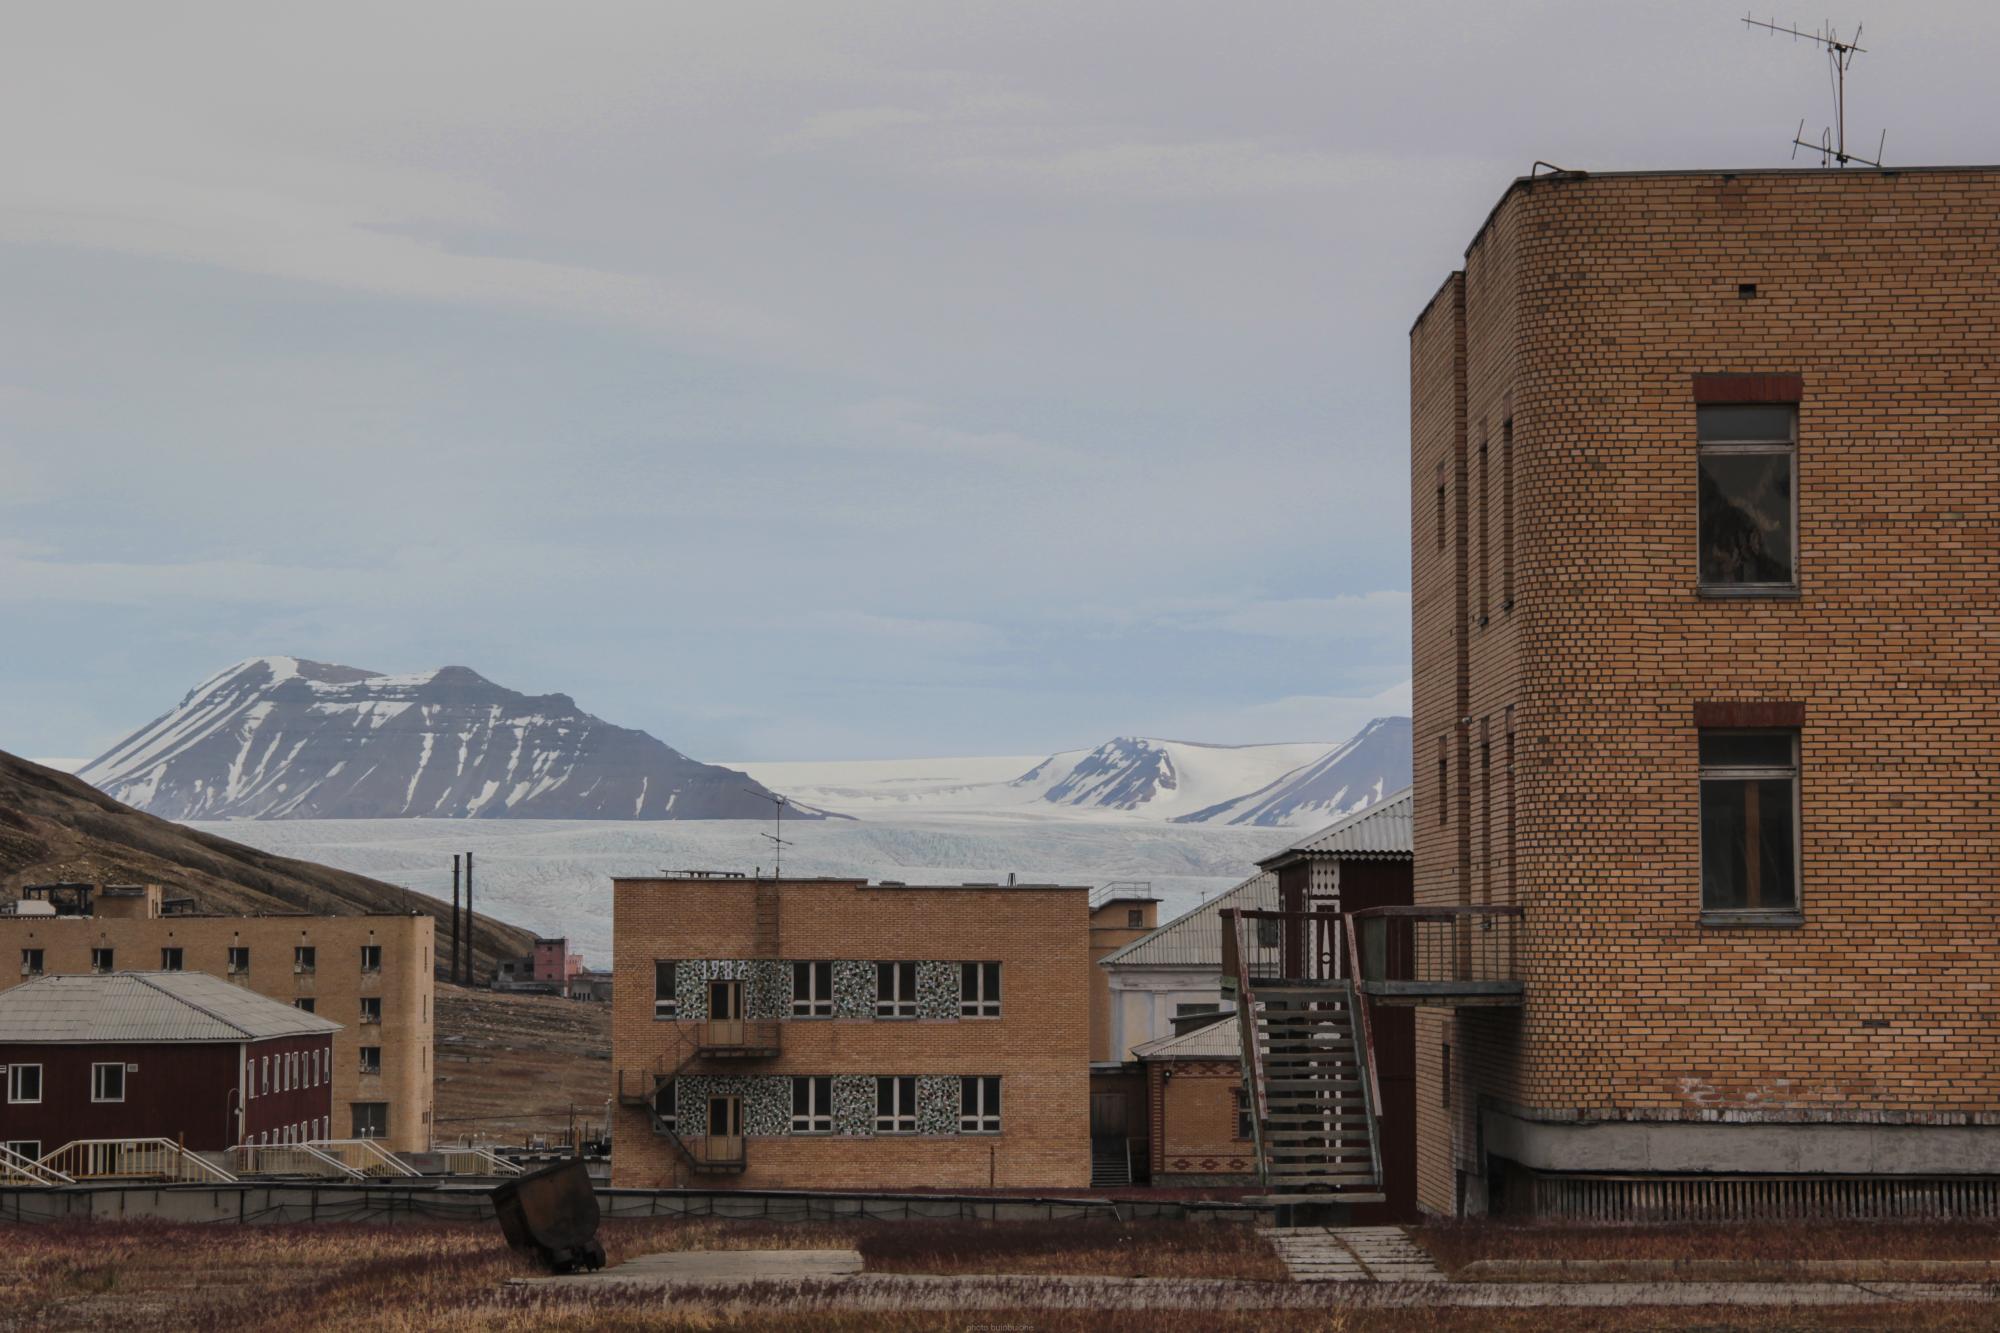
(554, 1213)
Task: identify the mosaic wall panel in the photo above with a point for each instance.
(691, 989)
(854, 1105)
(769, 992)
(854, 990)
(937, 990)
(937, 1104)
(767, 1102)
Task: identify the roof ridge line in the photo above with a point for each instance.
(146, 980)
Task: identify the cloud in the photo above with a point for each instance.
(1298, 717)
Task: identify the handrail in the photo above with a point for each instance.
(1446, 953)
(1359, 1006)
(374, 1159)
(1461, 909)
(30, 1171)
(1246, 1035)
(288, 1159)
(1131, 890)
(1370, 1090)
(132, 1159)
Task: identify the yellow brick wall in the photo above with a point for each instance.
(1040, 1047)
(336, 986)
(1197, 1121)
(1589, 306)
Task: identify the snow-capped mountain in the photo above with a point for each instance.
(1164, 779)
(1357, 774)
(279, 737)
(1131, 779)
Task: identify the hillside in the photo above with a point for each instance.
(55, 827)
(287, 738)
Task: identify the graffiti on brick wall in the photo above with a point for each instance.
(1767, 1095)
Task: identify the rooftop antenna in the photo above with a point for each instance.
(1832, 145)
(777, 840)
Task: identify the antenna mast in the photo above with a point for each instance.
(777, 840)
(1832, 145)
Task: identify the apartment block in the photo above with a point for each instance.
(1705, 502)
(370, 974)
(837, 1034)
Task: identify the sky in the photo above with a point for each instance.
(801, 381)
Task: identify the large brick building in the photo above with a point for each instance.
(836, 1034)
(370, 974)
(1705, 487)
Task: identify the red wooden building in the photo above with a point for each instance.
(176, 1055)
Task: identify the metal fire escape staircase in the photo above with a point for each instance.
(1308, 1065)
(695, 1044)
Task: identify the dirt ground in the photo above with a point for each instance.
(509, 1066)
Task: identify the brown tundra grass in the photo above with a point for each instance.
(1455, 1244)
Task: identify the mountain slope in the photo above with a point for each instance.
(54, 827)
(1357, 774)
(1162, 779)
(280, 737)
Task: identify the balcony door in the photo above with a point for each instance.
(725, 1129)
(725, 1013)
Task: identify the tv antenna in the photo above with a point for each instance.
(1832, 145)
(777, 840)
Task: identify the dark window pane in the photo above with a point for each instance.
(968, 1096)
(663, 981)
(1746, 749)
(1747, 844)
(1746, 518)
(885, 1096)
(1745, 423)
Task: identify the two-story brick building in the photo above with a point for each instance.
(837, 1034)
(1705, 488)
(370, 974)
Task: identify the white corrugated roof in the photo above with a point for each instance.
(147, 1006)
(1194, 939)
(1383, 829)
(1212, 1041)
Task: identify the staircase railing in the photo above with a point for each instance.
(288, 1159)
(1365, 1034)
(133, 1159)
(18, 1170)
(1236, 972)
(367, 1156)
(1436, 955)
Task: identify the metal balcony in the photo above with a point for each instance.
(737, 1038)
(1441, 956)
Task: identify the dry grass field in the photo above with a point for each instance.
(511, 1065)
(1454, 1245)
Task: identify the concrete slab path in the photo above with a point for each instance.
(1351, 1254)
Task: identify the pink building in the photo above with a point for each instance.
(555, 964)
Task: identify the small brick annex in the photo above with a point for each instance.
(1566, 661)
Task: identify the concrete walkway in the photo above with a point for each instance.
(1351, 1254)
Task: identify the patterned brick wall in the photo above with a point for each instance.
(1039, 1047)
(1196, 1125)
(1586, 309)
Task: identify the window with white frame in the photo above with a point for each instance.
(28, 1148)
(371, 1008)
(812, 990)
(896, 1105)
(31, 962)
(371, 958)
(305, 958)
(979, 990)
(170, 960)
(895, 990)
(24, 1083)
(979, 1105)
(239, 960)
(812, 1105)
(371, 1059)
(102, 960)
(666, 1000)
(264, 1076)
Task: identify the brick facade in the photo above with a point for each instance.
(1193, 1108)
(336, 985)
(1560, 370)
(1039, 1046)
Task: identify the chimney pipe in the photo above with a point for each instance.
(468, 919)
(452, 971)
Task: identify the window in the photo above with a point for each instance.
(665, 998)
(812, 990)
(1749, 821)
(1444, 783)
(1440, 516)
(1243, 1130)
(1135, 918)
(101, 960)
(170, 960)
(666, 1113)
(1267, 932)
(979, 1105)
(1444, 1078)
(371, 1059)
(31, 962)
(1185, 1009)
(1485, 525)
(305, 959)
(371, 958)
(24, 1083)
(812, 1105)
(239, 961)
(1485, 812)
(1748, 453)
(371, 1008)
(896, 1105)
(895, 990)
(1507, 514)
(979, 990)
(306, 1004)
(264, 1076)
(28, 1148)
(371, 1120)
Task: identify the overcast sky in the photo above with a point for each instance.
(817, 380)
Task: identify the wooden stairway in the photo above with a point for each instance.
(1314, 1122)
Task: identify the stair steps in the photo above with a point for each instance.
(1316, 1129)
